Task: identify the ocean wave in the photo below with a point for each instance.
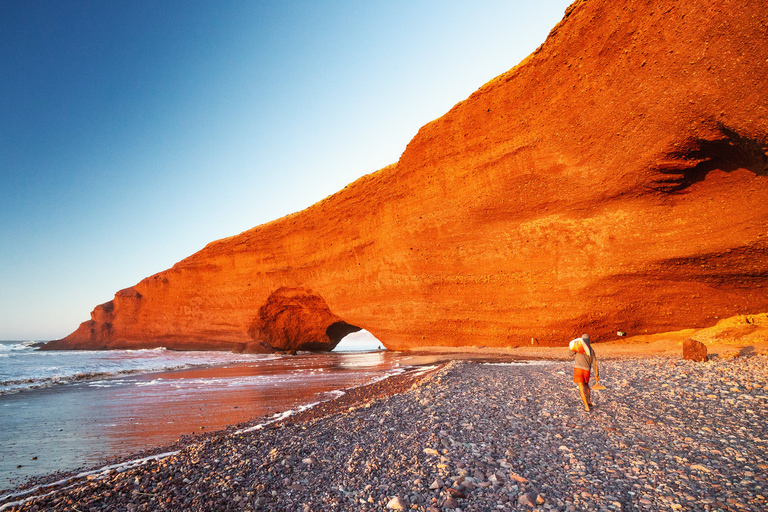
(140, 350)
(15, 385)
(17, 346)
(9, 386)
(23, 367)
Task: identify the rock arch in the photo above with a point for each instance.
(295, 319)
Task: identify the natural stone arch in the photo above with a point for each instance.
(295, 319)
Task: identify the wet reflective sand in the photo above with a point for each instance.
(83, 424)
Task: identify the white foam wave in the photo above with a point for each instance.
(153, 382)
(17, 385)
(24, 368)
(425, 369)
(21, 345)
(280, 416)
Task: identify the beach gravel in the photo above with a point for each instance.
(667, 434)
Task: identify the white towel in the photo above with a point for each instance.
(578, 342)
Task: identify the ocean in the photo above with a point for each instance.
(68, 410)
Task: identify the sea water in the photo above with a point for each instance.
(65, 410)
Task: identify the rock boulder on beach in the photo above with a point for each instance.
(617, 178)
(694, 351)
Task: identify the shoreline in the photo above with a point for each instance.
(350, 399)
(477, 429)
(390, 384)
(86, 423)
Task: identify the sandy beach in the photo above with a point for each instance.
(667, 434)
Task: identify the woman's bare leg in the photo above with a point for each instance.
(584, 392)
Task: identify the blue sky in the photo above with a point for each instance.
(132, 133)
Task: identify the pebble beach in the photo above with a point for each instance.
(666, 434)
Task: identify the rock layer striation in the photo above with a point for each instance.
(616, 179)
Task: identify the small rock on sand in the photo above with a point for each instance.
(526, 499)
(396, 504)
(694, 351)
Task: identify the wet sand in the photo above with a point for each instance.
(71, 426)
(352, 397)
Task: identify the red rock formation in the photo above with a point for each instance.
(614, 180)
(695, 351)
(297, 319)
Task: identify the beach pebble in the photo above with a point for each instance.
(396, 504)
(662, 437)
(517, 478)
(526, 500)
(450, 502)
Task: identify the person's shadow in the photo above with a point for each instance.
(747, 351)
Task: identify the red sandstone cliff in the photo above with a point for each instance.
(614, 180)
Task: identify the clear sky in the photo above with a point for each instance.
(132, 133)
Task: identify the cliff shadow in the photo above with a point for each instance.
(729, 152)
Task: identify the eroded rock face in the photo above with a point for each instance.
(298, 319)
(617, 179)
